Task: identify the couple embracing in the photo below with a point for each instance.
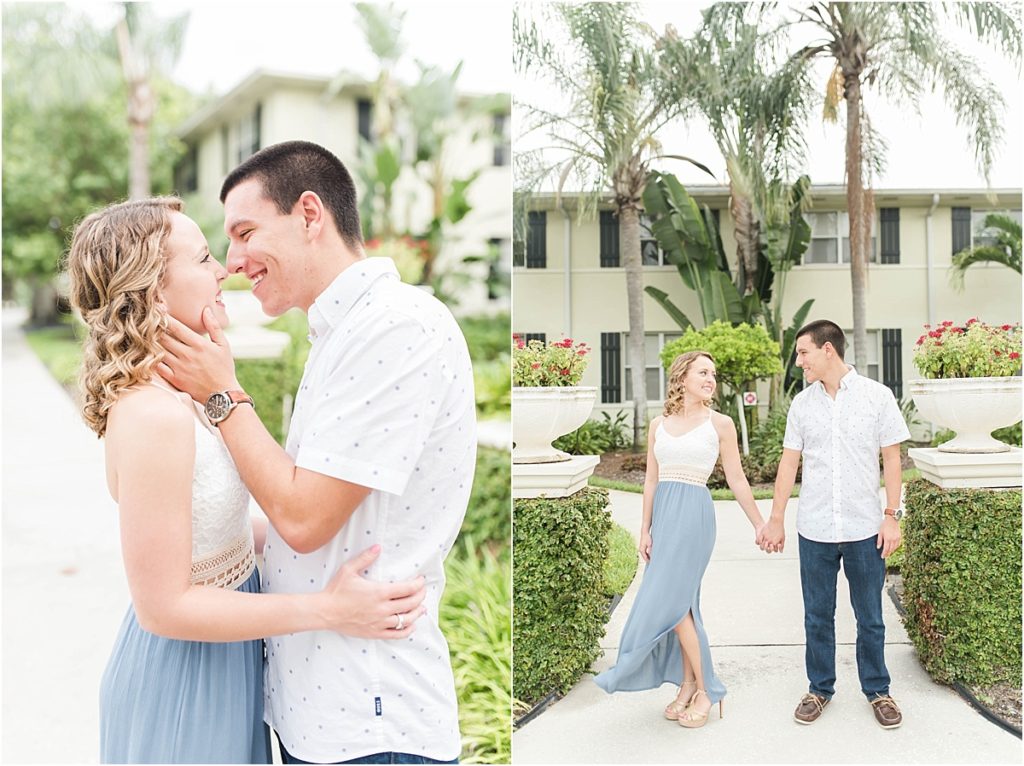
(364, 502)
(838, 425)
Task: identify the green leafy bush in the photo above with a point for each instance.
(742, 353)
(595, 437)
(559, 549)
(962, 580)
(488, 517)
(1010, 435)
(492, 381)
(620, 566)
(475, 617)
(487, 337)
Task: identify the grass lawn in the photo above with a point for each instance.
(60, 350)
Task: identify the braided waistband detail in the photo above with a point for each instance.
(687, 474)
(227, 568)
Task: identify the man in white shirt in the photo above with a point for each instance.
(381, 449)
(838, 424)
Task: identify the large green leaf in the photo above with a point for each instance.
(721, 300)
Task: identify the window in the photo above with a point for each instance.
(533, 253)
(871, 367)
(650, 253)
(656, 377)
(249, 134)
(609, 228)
(225, 150)
(364, 121)
(502, 140)
(983, 236)
(830, 238)
(611, 367)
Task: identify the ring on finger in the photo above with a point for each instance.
(401, 621)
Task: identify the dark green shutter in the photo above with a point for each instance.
(611, 367)
(609, 239)
(542, 337)
(961, 229)
(892, 360)
(537, 241)
(364, 108)
(890, 235)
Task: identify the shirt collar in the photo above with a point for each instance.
(334, 303)
(846, 381)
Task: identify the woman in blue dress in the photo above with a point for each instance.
(184, 681)
(664, 637)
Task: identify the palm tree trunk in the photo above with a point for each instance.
(629, 242)
(855, 207)
(747, 236)
(138, 166)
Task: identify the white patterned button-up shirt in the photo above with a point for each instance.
(840, 440)
(386, 401)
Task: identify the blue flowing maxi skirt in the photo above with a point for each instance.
(683, 536)
(168, 701)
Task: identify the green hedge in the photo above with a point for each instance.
(559, 551)
(962, 580)
(487, 517)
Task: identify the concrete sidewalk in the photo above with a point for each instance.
(64, 591)
(753, 613)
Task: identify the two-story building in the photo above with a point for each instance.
(268, 107)
(568, 280)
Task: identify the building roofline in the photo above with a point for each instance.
(707, 192)
(261, 80)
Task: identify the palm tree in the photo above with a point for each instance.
(902, 49)
(1005, 249)
(608, 136)
(755, 112)
(145, 44)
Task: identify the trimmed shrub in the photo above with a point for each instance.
(265, 380)
(489, 514)
(962, 579)
(558, 555)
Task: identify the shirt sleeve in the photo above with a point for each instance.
(793, 438)
(374, 414)
(892, 428)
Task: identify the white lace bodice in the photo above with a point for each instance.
(689, 457)
(222, 544)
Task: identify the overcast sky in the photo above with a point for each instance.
(926, 151)
(226, 41)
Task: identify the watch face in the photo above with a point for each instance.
(217, 407)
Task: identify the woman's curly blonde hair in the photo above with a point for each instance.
(117, 263)
(675, 397)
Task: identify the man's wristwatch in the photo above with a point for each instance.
(896, 513)
(221, 403)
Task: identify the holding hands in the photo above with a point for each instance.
(771, 538)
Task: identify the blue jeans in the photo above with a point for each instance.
(287, 757)
(864, 568)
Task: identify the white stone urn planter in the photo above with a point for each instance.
(973, 407)
(541, 414)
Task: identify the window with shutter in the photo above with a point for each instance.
(892, 360)
(537, 241)
(611, 367)
(890, 234)
(609, 239)
(961, 229)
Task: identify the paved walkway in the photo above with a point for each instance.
(754, 616)
(64, 592)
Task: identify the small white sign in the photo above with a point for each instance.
(750, 399)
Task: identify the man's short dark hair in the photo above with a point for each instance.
(288, 169)
(823, 331)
